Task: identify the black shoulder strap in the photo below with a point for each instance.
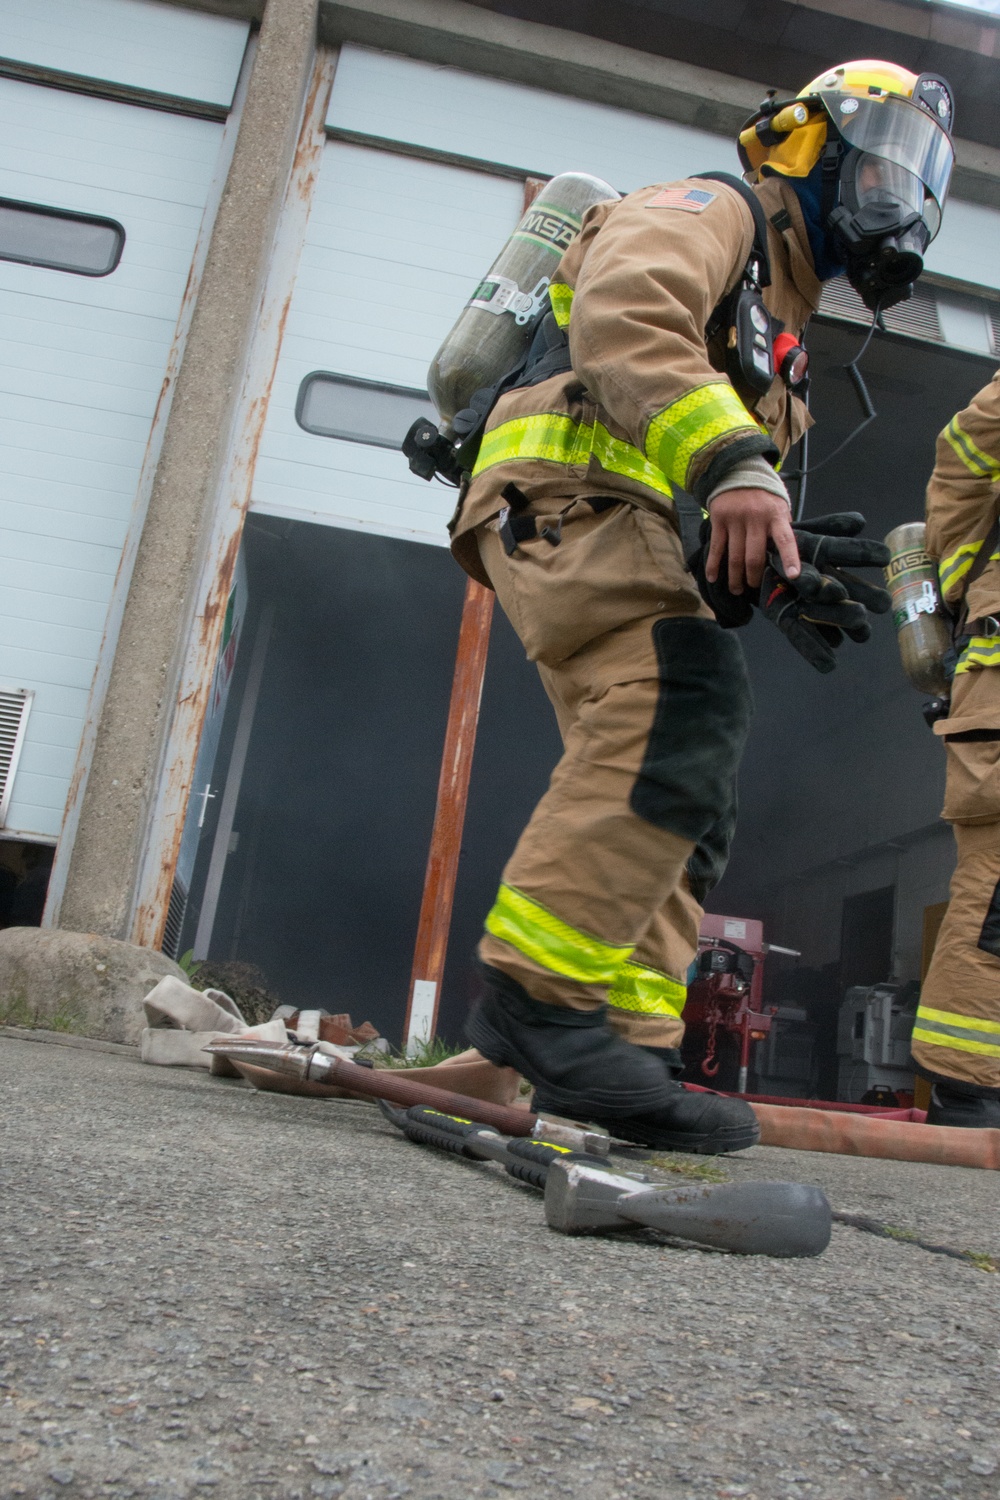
(983, 555)
(758, 250)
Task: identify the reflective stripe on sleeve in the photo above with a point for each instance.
(542, 936)
(946, 1028)
(953, 568)
(647, 991)
(975, 460)
(559, 440)
(561, 298)
(677, 434)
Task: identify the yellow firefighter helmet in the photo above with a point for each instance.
(876, 107)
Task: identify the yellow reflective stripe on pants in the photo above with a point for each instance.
(975, 460)
(677, 434)
(559, 440)
(947, 1028)
(647, 991)
(542, 936)
(561, 298)
(982, 651)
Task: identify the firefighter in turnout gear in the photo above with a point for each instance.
(956, 1037)
(684, 304)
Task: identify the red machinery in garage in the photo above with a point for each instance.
(723, 1015)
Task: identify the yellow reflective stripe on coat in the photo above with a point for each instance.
(953, 568)
(561, 298)
(559, 440)
(677, 434)
(539, 934)
(975, 460)
(647, 991)
(947, 1028)
(982, 651)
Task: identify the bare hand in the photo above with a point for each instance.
(744, 521)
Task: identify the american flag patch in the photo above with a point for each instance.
(690, 200)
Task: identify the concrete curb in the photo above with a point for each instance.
(64, 1039)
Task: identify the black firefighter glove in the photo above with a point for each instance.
(824, 603)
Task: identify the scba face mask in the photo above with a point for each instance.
(877, 138)
(893, 164)
(881, 224)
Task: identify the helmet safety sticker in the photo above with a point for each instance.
(688, 200)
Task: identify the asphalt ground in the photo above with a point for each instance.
(209, 1291)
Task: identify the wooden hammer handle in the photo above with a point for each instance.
(385, 1083)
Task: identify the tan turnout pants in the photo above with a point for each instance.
(957, 1031)
(596, 902)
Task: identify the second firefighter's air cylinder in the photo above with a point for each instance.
(921, 628)
(497, 322)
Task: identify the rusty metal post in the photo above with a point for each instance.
(449, 814)
(434, 923)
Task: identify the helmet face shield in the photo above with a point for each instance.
(902, 133)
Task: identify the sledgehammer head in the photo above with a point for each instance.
(747, 1218)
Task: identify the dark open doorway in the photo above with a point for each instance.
(866, 937)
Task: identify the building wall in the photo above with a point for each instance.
(419, 183)
(83, 359)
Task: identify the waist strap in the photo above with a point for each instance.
(559, 440)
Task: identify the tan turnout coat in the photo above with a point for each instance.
(650, 399)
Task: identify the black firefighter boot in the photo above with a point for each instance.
(968, 1105)
(580, 1068)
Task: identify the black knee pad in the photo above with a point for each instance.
(687, 784)
(989, 937)
(708, 861)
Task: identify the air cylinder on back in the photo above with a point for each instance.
(496, 324)
(921, 628)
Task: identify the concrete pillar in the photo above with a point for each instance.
(101, 875)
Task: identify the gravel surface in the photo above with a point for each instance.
(209, 1291)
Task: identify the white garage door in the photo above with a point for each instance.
(393, 250)
(82, 360)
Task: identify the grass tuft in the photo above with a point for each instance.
(895, 1233)
(422, 1055)
(698, 1170)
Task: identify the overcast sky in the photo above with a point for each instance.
(993, 6)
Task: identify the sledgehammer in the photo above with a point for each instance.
(582, 1196)
(747, 1218)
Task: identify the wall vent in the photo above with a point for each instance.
(840, 300)
(15, 705)
(995, 326)
(918, 318)
(176, 912)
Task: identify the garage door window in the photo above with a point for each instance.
(59, 240)
(360, 411)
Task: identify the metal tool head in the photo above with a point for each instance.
(559, 1132)
(280, 1057)
(584, 1200)
(746, 1218)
